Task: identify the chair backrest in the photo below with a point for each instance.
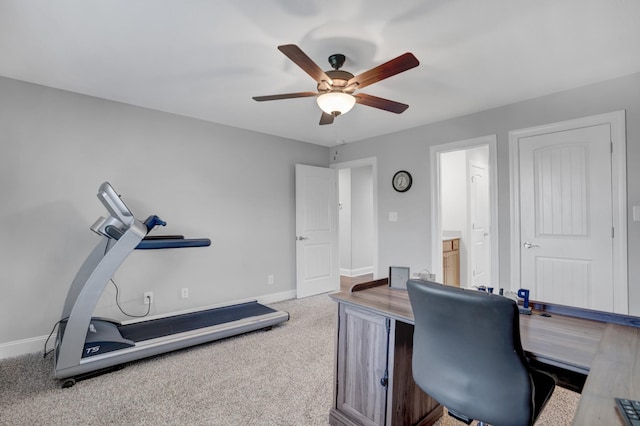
(467, 353)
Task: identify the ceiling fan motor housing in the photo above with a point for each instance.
(340, 79)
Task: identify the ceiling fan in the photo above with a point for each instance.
(336, 87)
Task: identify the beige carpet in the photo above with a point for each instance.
(279, 377)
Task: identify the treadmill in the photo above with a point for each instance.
(86, 345)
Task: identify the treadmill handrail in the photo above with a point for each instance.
(167, 243)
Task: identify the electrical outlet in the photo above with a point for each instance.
(270, 279)
(185, 293)
(148, 297)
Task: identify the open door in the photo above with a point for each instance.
(479, 225)
(316, 230)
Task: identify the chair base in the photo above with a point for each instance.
(460, 417)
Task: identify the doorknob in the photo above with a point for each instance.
(301, 238)
(528, 245)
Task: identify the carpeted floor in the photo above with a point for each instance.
(279, 377)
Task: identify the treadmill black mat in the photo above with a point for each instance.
(186, 322)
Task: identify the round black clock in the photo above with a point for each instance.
(402, 181)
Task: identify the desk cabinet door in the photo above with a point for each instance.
(362, 365)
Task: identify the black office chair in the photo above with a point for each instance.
(467, 355)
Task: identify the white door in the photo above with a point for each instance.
(316, 230)
(480, 240)
(566, 221)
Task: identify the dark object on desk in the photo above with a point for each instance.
(524, 311)
(629, 411)
(467, 354)
(398, 276)
(544, 314)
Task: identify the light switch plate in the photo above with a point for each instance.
(636, 213)
(393, 216)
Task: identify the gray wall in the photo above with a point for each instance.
(233, 186)
(206, 180)
(408, 241)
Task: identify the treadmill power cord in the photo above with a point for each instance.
(45, 353)
(121, 310)
(106, 249)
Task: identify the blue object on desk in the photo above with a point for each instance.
(524, 293)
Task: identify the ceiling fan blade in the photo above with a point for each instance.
(326, 118)
(284, 96)
(380, 103)
(301, 59)
(388, 69)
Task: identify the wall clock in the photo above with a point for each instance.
(402, 181)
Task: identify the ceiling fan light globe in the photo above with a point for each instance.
(336, 103)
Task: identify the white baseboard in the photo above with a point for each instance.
(356, 272)
(23, 347)
(277, 297)
(36, 344)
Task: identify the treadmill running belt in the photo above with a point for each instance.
(186, 322)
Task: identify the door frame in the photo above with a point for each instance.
(368, 161)
(436, 221)
(616, 121)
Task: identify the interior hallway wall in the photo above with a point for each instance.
(362, 220)
(344, 217)
(356, 220)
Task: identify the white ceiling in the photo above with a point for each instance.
(207, 58)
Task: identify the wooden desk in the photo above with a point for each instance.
(615, 371)
(607, 353)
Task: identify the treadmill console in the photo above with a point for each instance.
(114, 205)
